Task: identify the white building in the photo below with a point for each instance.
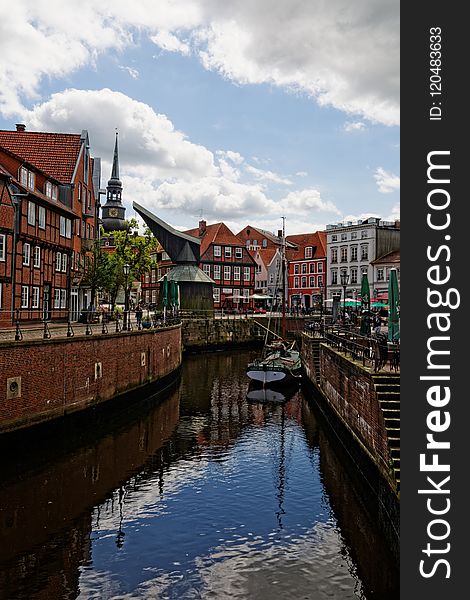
(351, 248)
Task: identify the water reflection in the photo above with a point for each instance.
(206, 495)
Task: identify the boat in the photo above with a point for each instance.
(280, 361)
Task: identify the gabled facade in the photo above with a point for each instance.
(228, 263)
(50, 183)
(381, 274)
(306, 269)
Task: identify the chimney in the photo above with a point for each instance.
(20, 127)
(279, 233)
(202, 228)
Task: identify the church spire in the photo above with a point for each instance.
(113, 211)
(115, 171)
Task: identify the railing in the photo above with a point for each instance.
(374, 352)
(92, 323)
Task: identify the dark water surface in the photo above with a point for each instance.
(202, 494)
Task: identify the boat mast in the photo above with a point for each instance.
(283, 258)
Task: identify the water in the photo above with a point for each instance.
(200, 495)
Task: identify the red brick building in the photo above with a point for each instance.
(306, 269)
(49, 217)
(228, 263)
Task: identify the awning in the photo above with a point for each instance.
(261, 297)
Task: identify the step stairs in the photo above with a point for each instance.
(315, 344)
(387, 388)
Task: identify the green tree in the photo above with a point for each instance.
(133, 249)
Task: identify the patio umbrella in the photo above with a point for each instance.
(394, 302)
(174, 294)
(165, 301)
(365, 305)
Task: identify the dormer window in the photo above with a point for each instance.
(27, 178)
(51, 190)
(308, 252)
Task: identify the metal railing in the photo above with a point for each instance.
(373, 351)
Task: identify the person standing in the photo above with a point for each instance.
(138, 315)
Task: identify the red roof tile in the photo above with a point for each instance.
(218, 233)
(302, 240)
(389, 257)
(55, 154)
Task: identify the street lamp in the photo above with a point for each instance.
(344, 283)
(16, 198)
(126, 269)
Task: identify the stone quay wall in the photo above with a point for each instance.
(44, 379)
(217, 333)
(351, 394)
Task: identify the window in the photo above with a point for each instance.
(147, 296)
(354, 235)
(353, 275)
(228, 252)
(320, 280)
(364, 234)
(79, 192)
(35, 298)
(271, 279)
(63, 298)
(353, 252)
(238, 252)
(248, 243)
(296, 282)
(146, 278)
(304, 267)
(265, 243)
(37, 258)
(24, 296)
(56, 298)
(334, 255)
(296, 269)
(308, 252)
(236, 273)
(24, 176)
(334, 277)
(334, 238)
(165, 256)
(89, 199)
(344, 254)
(217, 251)
(217, 272)
(31, 213)
(246, 273)
(365, 252)
(41, 217)
(246, 296)
(304, 282)
(64, 263)
(227, 272)
(31, 179)
(77, 229)
(312, 267)
(58, 261)
(344, 237)
(380, 275)
(216, 294)
(255, 242)
(207, 270)
(88, 231)
(62, 226)
(26, 254)
(312, 281)
(320, 267)
(3, 246)
(51, 190)
(154, 296)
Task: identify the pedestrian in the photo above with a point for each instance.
(138, 315)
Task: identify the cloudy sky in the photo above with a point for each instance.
(241, 111)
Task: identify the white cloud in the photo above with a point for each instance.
(262, 175)
(386, 182)
(169, 42)
(235, 157)
(342, 54)
(301, 174)
(351, 126)
(134, 73)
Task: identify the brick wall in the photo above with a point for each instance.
(350, 391)
(40, 380)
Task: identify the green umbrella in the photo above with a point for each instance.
(365, 305)
(165, 291)
(394, 303)
(173, 293)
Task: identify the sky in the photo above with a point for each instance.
(242, 111)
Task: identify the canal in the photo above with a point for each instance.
(198, 493)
